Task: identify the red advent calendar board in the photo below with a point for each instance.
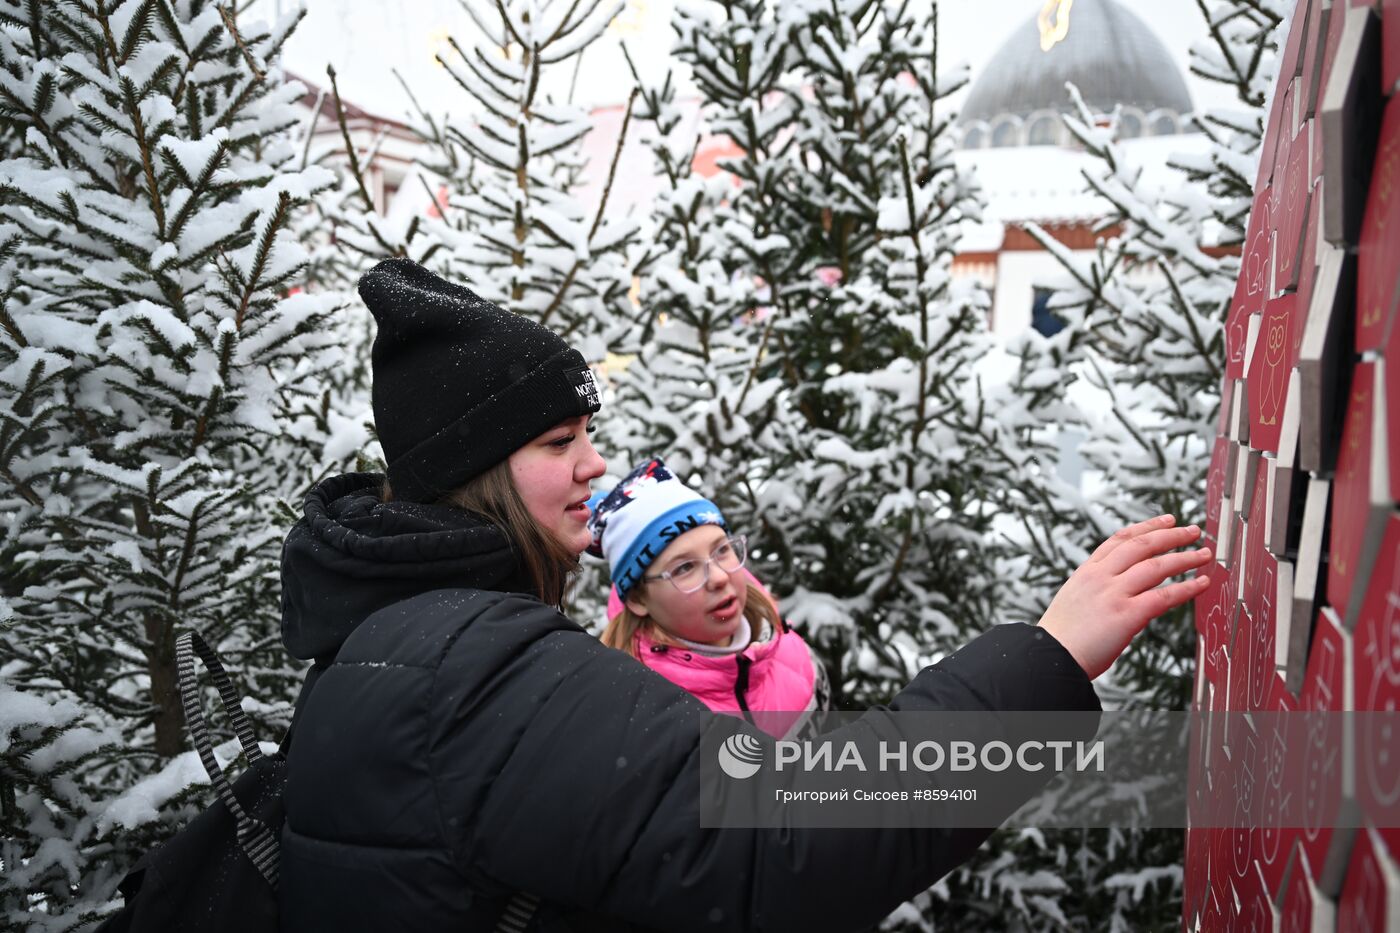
(1378, 254)
(1301, 620)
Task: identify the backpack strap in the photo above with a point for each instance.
(254, 838)
(520, 909)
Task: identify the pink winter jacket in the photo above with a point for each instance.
(774, 680)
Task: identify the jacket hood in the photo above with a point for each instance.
(352, 554)
(781, 680)
(759, 653)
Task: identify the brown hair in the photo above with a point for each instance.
(547, 563)
(622, 631)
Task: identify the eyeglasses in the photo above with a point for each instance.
(690, 575)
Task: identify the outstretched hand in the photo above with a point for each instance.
(1118, 590)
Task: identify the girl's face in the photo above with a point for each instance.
(552, 473)
(711, 614)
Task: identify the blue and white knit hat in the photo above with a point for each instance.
(634, 522)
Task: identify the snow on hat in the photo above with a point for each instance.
(459, 383)
(634, 522)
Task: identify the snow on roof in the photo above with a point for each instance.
(986, 237)
(1047, 184)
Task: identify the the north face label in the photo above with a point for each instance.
(585, 386)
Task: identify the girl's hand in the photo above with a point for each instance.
(1117, 591)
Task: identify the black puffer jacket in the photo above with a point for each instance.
(465, 741)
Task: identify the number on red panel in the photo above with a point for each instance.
(1257, 913)
(1351, 491)
(1378, 256)
(1254, 542)
(1376, 685)
(1252, 287)
(1325, 691)
(1293, 200)
(1215, 486)
(1391, 355)
(1214, 612)
(1370, 900)
(1305, 909)
(1307, 274)
(1281, 805)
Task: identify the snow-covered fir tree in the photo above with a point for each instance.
(806, 354)
(346, 231)
(500, 168)
(1151, 304)
(700, 389)
(510, 158)
(694, 390)
(164, 397)
(896, 488)
(530, 260)
(808, 360)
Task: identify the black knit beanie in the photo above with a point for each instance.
(459, 383)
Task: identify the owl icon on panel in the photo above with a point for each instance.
(1275, 335)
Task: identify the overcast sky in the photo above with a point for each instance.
(367, 39)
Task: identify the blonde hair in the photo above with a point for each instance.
(622, 631)
(547, 563)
